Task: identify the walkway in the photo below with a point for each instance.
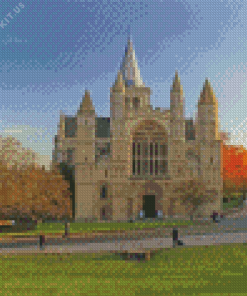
(130, 245)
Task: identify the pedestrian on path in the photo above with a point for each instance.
(41, 241)
(175, 237)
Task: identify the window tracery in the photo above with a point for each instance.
(150, 151)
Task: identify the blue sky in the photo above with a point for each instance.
(51, 50)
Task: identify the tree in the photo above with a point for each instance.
(234, 170)
(33, 193)
(192, 195)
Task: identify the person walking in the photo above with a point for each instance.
(42, 241)
(175, 237)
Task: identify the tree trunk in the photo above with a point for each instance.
(244, 194)
(67, 228)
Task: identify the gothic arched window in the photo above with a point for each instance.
(150, 150)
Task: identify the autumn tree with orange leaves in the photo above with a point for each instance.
(234, 170)
(33, 193)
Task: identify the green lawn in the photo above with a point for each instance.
(212, 270)
(232, 204)
(94, 227)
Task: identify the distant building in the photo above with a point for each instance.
(129, 162)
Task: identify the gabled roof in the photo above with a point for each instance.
(102, 127)
(70, 126)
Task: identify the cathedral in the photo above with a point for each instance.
(128, 165)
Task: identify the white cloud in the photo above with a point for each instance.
(36, 139)
(12, 131)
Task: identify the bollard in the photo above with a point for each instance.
(174, 236)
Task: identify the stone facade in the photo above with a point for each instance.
(139, 151)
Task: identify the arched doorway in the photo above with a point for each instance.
(149, 206)
(151, 199)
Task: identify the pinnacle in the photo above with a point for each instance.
(176, 87)
(207, 94)
(119, 83)
(86, 104)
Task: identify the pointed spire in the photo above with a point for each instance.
(62, 118)
(86, 104)
(61, 113)
(119, 83)
(207, 94)
(61, 125)
(177, 87)
(129, 67)
(130, 44)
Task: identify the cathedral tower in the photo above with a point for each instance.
(210, 146)
(85, 158)
(128, 96)
(177, 130)
(207, 114)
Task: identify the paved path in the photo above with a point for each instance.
(159, 240)
(123, 245)
(215, 239)
(240, 222)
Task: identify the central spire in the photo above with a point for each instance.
(129, 68)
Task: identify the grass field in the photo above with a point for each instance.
(96, 227)
(212, 270)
